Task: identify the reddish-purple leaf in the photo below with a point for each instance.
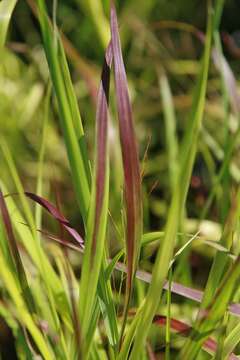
(57, 215)
(101, 142)
(132, 178)
(179, 289)
(210, 345)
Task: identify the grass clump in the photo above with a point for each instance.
(105, 286)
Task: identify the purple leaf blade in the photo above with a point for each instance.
(131, 168)
(57, 215)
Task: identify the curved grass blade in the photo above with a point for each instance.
(57, 215)
(6, 9)
(98, 211)
(131, 168)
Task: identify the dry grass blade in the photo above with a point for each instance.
(132, 178)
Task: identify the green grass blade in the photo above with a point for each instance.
(94, 9)
(68, 110)
(170, 126)
(22, 312)
(39, 187)
(98, 212)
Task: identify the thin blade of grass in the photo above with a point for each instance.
(131, 168)
(170, 126)
(39, 186)
(69, 114)
(57, 215)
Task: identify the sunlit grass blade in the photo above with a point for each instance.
(94, 9)
(6, 9)
(187, 157)
(131, 168)
(32, 243)
(98, 212)
(231, 341)
(22, 312)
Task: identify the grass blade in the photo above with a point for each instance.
(98, 212)
(132, 177)
(57, 215)
(69, 114)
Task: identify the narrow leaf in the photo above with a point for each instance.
(132, 177)
(98, 212)
(57, 215)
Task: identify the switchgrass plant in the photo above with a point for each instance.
(67, 295)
